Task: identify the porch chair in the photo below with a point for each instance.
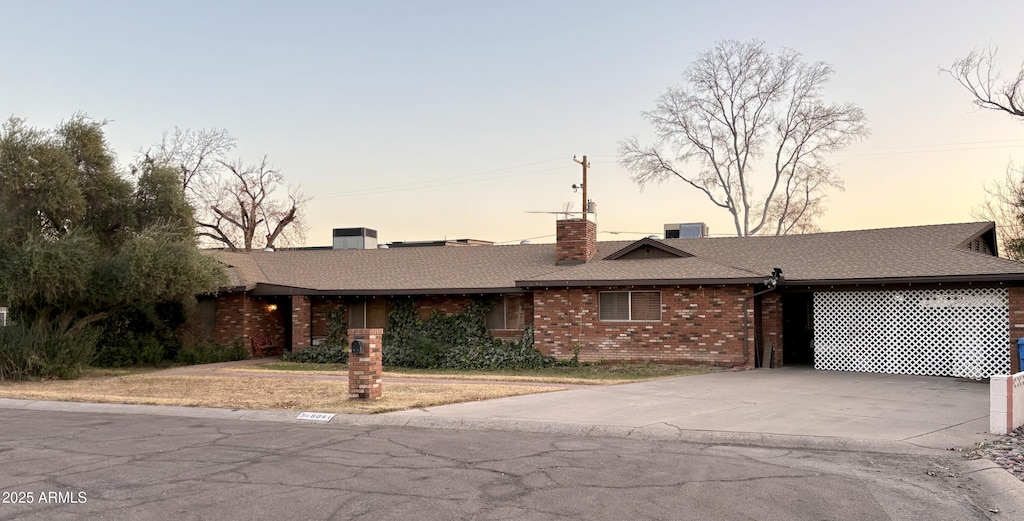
(262, 346)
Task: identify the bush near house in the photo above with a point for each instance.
(152, 336)
(210, 353)
(333, 349)
(41, 351)
(459, 341)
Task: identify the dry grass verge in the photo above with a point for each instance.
(580, 375)
(240, 392)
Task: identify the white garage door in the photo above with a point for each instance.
(960, 332)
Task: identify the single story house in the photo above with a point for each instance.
(927, 300)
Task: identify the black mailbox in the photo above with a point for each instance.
(358, 346)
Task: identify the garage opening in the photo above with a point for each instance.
(797, 329)
(940, 332)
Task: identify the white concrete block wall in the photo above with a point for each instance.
(1006, 403)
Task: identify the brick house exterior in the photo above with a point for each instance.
(719, 301)
(698, 325)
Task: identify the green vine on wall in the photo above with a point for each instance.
(334, 347)
(457, 341)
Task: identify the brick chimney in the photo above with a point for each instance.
(575, 241)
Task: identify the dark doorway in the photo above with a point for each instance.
(798, 328)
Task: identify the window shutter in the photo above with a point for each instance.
(614, 305)
(514, 312)
(646, 305)
(495, 318)
(376, 313)
(357, 315)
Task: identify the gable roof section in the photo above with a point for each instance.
(910, 254)
(647, 244)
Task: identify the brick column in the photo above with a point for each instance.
(1016, 296)
(301, 318)
(365, 370)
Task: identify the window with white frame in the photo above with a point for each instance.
(629, 305)
(3, 316)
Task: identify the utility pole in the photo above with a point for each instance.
(585, 164)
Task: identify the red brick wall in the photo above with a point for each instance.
(242, 316)
(699, 325)
(771, 326)
(233, 312)
(575, 241)
(442, 304)
(267, 318)
(1016, 324)
(301, 322)
(320, 306)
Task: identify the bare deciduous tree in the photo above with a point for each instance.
(246, 204)
(1004, 207)
(742, 108)
(977, 74)
(1005, 204)
(233, 201)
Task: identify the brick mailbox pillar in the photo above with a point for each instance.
(364, 364)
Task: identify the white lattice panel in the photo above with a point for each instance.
(959, 332)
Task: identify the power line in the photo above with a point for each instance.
(444, 181)
(1021, 141)
(927, 151)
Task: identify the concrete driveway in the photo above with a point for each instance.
(928, 412)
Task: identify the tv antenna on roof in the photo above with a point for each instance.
(565, 211)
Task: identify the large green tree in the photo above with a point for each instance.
(79, 241)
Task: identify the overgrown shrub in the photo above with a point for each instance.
(333, 349)
(497, 354)
(141, 335)
(326, 353)
(460, 341)
(41, 351)
(129, 349)
(209, 353)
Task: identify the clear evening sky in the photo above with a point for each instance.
(432, 119)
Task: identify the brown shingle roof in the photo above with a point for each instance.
(433, 270)
(887, 253)
(919, 252)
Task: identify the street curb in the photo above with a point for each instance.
(1005, 490)
(657, 431)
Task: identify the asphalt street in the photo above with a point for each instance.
(91, 465)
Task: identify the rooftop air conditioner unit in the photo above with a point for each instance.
(686, 231)
(354, 239)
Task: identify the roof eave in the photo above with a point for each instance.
(269, 290)
(635, 282)
(1002, 277)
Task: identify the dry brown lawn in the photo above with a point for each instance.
(244, 392)
(437, 376)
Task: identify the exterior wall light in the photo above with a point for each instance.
(271, 307)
